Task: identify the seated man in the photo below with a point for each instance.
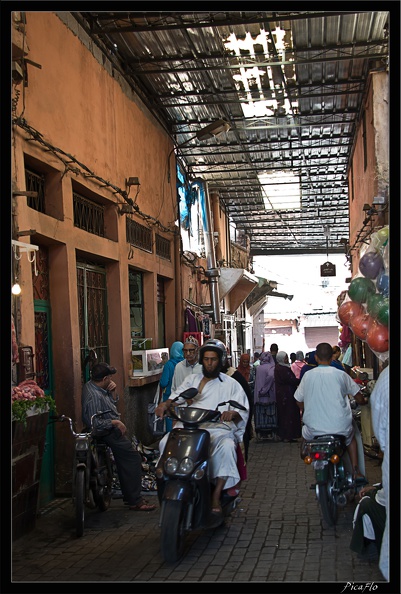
(369, 522)
(98, 394)
(215, 387)
(323, 398)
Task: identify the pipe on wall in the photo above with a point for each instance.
(212, 273)
(178, 288)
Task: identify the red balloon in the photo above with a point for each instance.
(377, 337)
(360, 325)
(348, 310)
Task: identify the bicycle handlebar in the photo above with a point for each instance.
(62, 418)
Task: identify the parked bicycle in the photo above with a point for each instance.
(92, 476)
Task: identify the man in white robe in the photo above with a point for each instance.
(215, 387)
(380, 403)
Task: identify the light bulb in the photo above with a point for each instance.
(16, 289)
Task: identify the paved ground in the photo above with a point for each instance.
(275, 538)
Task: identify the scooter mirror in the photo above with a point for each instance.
(233, 403)
(187, 394)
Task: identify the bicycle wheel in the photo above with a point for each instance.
(80, 501)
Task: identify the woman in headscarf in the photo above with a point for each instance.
(288, 413)
(311, 363)
(264, 380)
(176, 355)
(236, 374)
(297, 365)
(244, 366)
(247, 370)
(264, 395)
(245, 375)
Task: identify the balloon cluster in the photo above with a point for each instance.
(365, 308)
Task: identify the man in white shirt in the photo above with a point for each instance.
(323, 397)
(189, 365)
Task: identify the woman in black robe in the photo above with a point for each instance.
(288, 413)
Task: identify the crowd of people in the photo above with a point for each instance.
(305, 406)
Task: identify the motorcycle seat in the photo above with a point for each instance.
(330, 436)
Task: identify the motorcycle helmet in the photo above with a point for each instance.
(213, 344)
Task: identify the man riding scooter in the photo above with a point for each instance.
(213, 388)
(322, 395)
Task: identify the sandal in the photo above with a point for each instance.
(217, 510)
(143, 505)
(358, 477)
(216, 517)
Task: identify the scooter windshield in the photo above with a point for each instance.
(190, 415)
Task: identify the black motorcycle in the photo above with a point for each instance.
(334, 485)
(92, 477)
(183, 486)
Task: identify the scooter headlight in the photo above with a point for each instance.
(81, 444)
(186, 466)
(171, 465)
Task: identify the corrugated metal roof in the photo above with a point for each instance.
(180, 65)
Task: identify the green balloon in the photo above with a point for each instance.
(374, 303)
(383, 312)
(360, 288)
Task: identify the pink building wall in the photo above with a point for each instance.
(81, 107)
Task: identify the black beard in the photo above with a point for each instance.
(211, 374)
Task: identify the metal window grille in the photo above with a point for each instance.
(92, 312)
(88, 215)
(40, 282)
(138, 235)
(35, 182)
(163, 247)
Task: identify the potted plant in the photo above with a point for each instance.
(30, 415)
(28, 398)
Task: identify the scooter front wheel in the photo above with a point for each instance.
(172, 530)
(327, 498)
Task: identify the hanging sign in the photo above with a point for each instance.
(328, 269)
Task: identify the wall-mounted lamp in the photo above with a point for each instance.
(326, 231)
(126, 209)
(16, 288)
(129, 182)
(132, 181)
(209, 131)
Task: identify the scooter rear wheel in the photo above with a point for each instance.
(327, 498)
(172, 530)
(80, 501)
